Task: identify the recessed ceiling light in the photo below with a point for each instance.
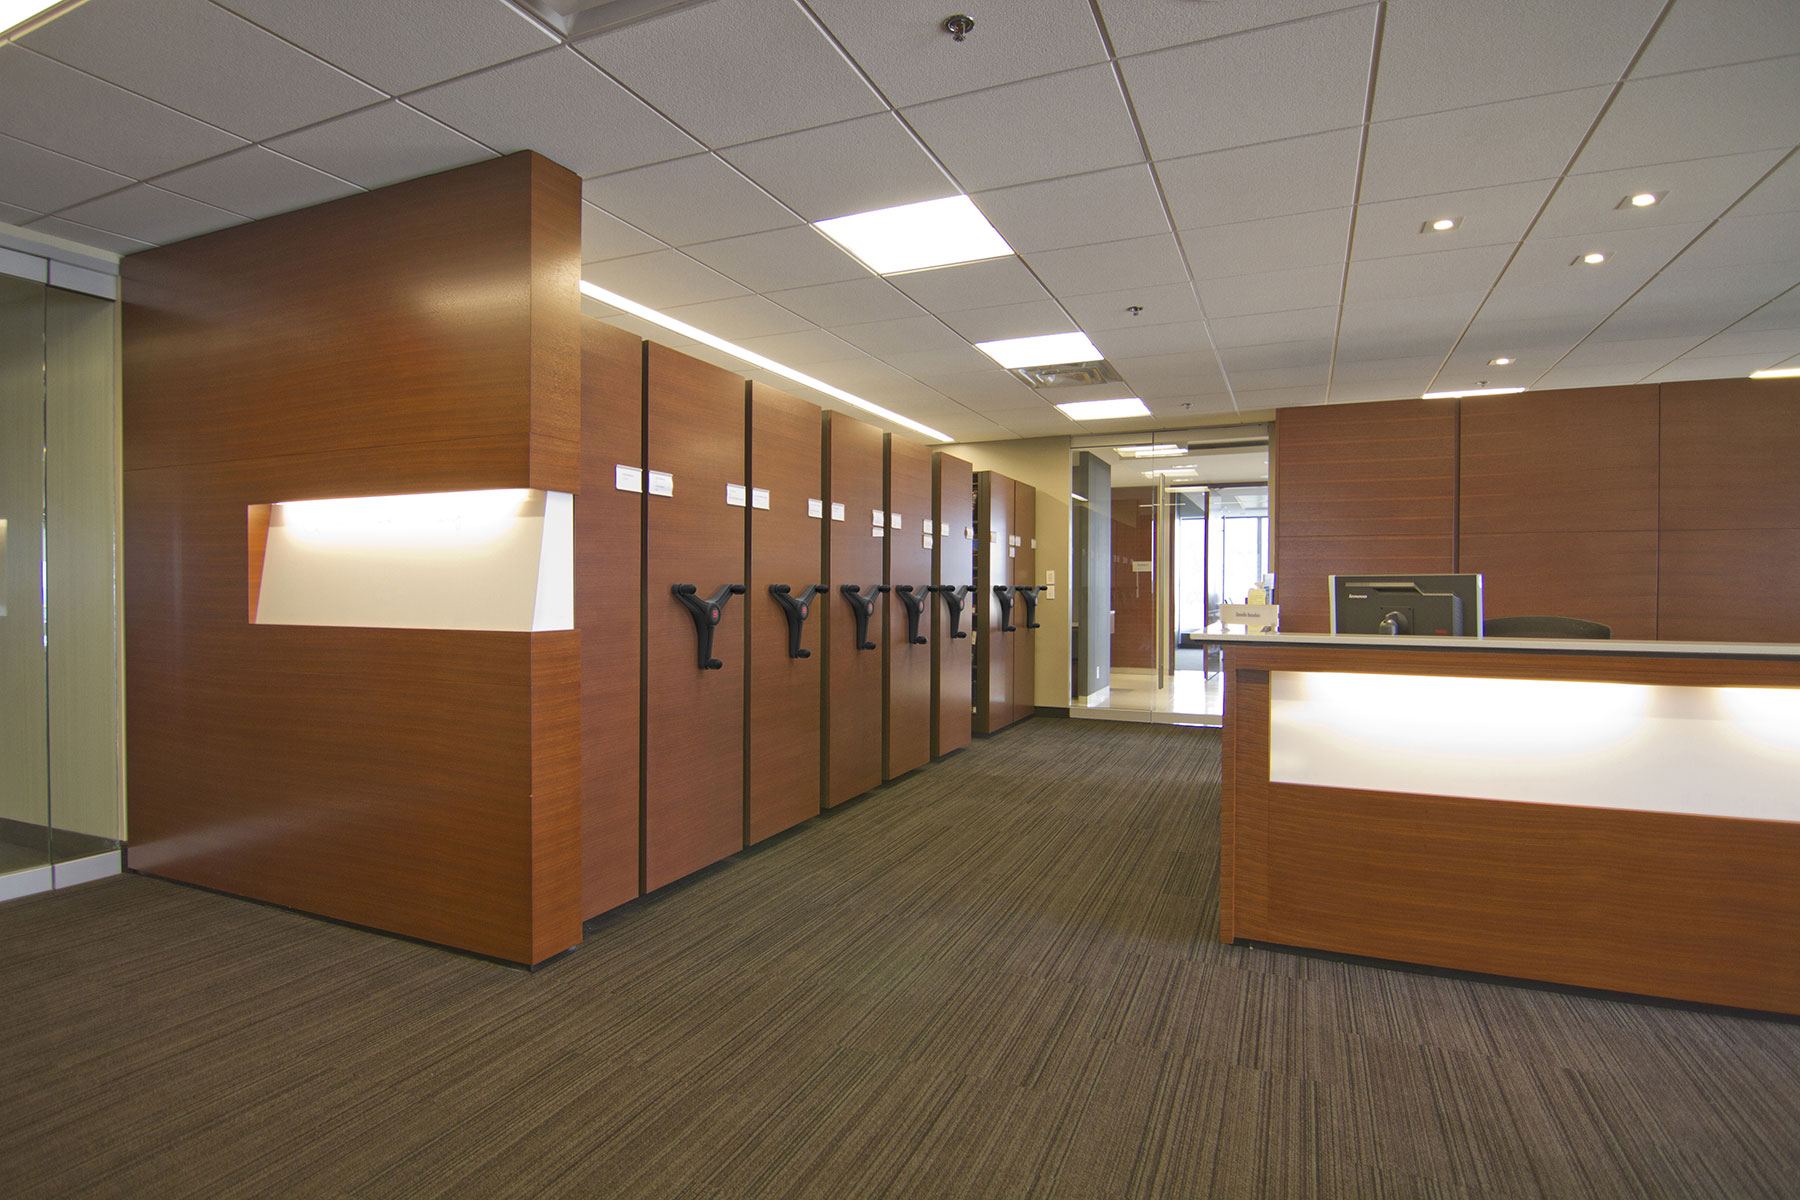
(1041, 351)
(15, 14)
(1161, 450)
(917, 237)
(596, 292)
(1592, 258)
(1441, 225)
(1458, 395)
(1777, 373)
(1502, 361)
(1641, 200)
(1104, 410)
(1170, 471)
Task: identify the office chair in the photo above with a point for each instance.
(1544, 627)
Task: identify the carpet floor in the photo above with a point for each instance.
(998, 977)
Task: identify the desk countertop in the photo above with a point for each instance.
(1239, 635)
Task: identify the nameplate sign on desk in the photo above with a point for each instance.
(1256, 618)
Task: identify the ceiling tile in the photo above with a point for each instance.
(992, 387)
(403, 44)
(803, 347)
(1164, 305)
(903, 46)
(1515, 329)
(901, 336)
(1360, 391)
(1725, 110)
(87, 235)
(1477, 147)
(1054, 214)
(1416, 370)
(998, 137)
(1258, 329)
(556, 104)
(1773, 344)
(1140, 25)
(1280, 82)
(380, 145)
(1407, 328)
(1633, 256)
(1708, 368)
(1490, 216)
(1146, 341)
(1246, 363)
(1010, 321)
(837, 170)
(1747, 241)
(856, 302)
(1716, 33)
(12, 214)
(59, 108)
(1272, 291)
(1607, 354)
(1780, 192)
(1610, 375)
(661, 279)
(1275, 244)
(1310, 390)
(150, 214)
(255, 182)
(1439, 54)
(1698, 190)
(696, 199)
(799, 256)
(201, 60)
(740, 317)
(740, 48)
(1470, 269)
(1782, 312)
(972, 285)
(1688, 298)
(604, 236)
(930, 365)
(42, 181)
(1274, 179)
(1110, 266)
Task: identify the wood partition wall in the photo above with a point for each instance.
(421, 781)
(952, 572)
(782, 704)
(693, 786)
(852, 538)
(906, 664)
(1023, 569)
(1133, 592)
(993, 570)
(1665, 511)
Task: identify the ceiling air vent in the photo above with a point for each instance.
(1073, 374)
(581, 18)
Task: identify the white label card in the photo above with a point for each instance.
(877, 517)
(815, 508)
(894, 520)
(1034, 543)
(968, 533)
(628, 479)
(927, 541)
(662, 483)
(736, 495)
(1012, 552)
(943, 529)
(837, 512)
(759, 497)
(878, 531)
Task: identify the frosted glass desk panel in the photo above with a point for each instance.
(1709, 751)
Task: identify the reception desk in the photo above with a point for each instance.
(1617, 815)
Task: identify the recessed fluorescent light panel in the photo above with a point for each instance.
(1161, 450)
(1777, 373)
(595, 292)
(1040, 351)
(16, 14)
(1471, 392)
(917, 237)
(1104, 410)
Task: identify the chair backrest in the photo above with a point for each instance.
(1544, 627)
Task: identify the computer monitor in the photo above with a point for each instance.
(1407, 605)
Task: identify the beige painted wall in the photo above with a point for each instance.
(1043, 463)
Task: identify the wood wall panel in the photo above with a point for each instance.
(906, 667)
(693, 788)
(953, 564)
(1582, 460)
(1605, 577)
(1731, 585)
(1024, 573)
(994, 649)
(609, 541)
(853, 554)
(1306, 564)
(1133, 613)
(782, 704)
(417, 781)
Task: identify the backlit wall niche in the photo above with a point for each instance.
(500, 559)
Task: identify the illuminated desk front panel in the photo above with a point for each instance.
(1618, 820)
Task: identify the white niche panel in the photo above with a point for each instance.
(499, 559)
